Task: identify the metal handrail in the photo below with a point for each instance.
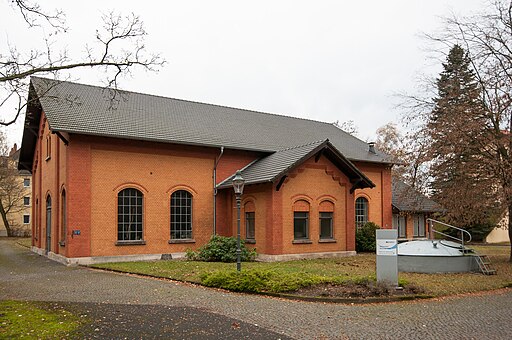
(463, 231)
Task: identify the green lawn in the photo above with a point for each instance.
(26, 320)
(331, 270)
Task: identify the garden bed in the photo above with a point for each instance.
(370, 289)
(322, 278)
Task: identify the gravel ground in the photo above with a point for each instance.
(27, 276)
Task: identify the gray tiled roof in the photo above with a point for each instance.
(274, 166)
(406, 198)
(268, 168)
(84, 109)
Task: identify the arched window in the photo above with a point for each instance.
(250, 227)
(129, 215)
(301, 220)
(48, 224)
(63, 217)
(361, 211)
(181, 215)
(326, 211)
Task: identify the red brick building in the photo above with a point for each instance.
(135, 176)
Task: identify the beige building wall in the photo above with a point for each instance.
(500, 233)
(19, 218)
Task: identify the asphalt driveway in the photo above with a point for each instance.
(157, 308)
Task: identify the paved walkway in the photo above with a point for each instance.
(26, 276)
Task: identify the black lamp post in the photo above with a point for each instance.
(238, 186)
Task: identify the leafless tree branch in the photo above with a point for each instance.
(117, 49)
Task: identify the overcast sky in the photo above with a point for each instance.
(323, 60)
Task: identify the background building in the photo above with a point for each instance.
(16, 196)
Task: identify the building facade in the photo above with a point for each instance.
(411, 211)
(17, 200)
(153, 176)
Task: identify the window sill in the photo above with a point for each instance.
(250, 241)
(131, 243)
(185, 240)
(62, 243)
(302, 241)
(327, 240)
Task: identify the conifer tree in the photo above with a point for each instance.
(457, 127)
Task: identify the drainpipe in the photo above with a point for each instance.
(215, 190)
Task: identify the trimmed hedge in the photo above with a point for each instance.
(257, 280)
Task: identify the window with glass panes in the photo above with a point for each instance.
(326, 225)
(249, 226)
(361, 211)
(129, 215)
(300, 225)
(181, 215)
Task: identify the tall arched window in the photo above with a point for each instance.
(361, 211)
(129, 215)
(63, 217)
(326, 212)
(301, 220)
(48, 224)
(250, 225)
(181, 215)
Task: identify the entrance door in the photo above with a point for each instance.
(48, 224)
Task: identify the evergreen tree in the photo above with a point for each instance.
(457, 126)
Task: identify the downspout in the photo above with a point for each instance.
(215, 190)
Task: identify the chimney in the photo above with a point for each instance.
(371, 147)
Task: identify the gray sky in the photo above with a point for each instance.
(323, 60)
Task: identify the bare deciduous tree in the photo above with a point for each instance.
(348, 126)
(11, 190)
(409, 151)
(118, 47)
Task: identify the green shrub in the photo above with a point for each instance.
(365, 237)
(221, 249)
(259, 280)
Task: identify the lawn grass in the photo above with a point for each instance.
(332, 270)
(28, 320)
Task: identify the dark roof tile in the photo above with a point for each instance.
(406, 198)
(85, 109)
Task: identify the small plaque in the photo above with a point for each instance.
(387, 247)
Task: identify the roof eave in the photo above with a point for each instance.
(30, 130)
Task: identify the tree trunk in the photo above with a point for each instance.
(510, 229)
(6, 222)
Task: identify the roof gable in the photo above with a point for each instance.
(277, 165)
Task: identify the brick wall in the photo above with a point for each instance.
(157, 170)
(92, 171)
(379, 198)
(315, 182)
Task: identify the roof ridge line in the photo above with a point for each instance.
(191, 101)
(300, 146)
